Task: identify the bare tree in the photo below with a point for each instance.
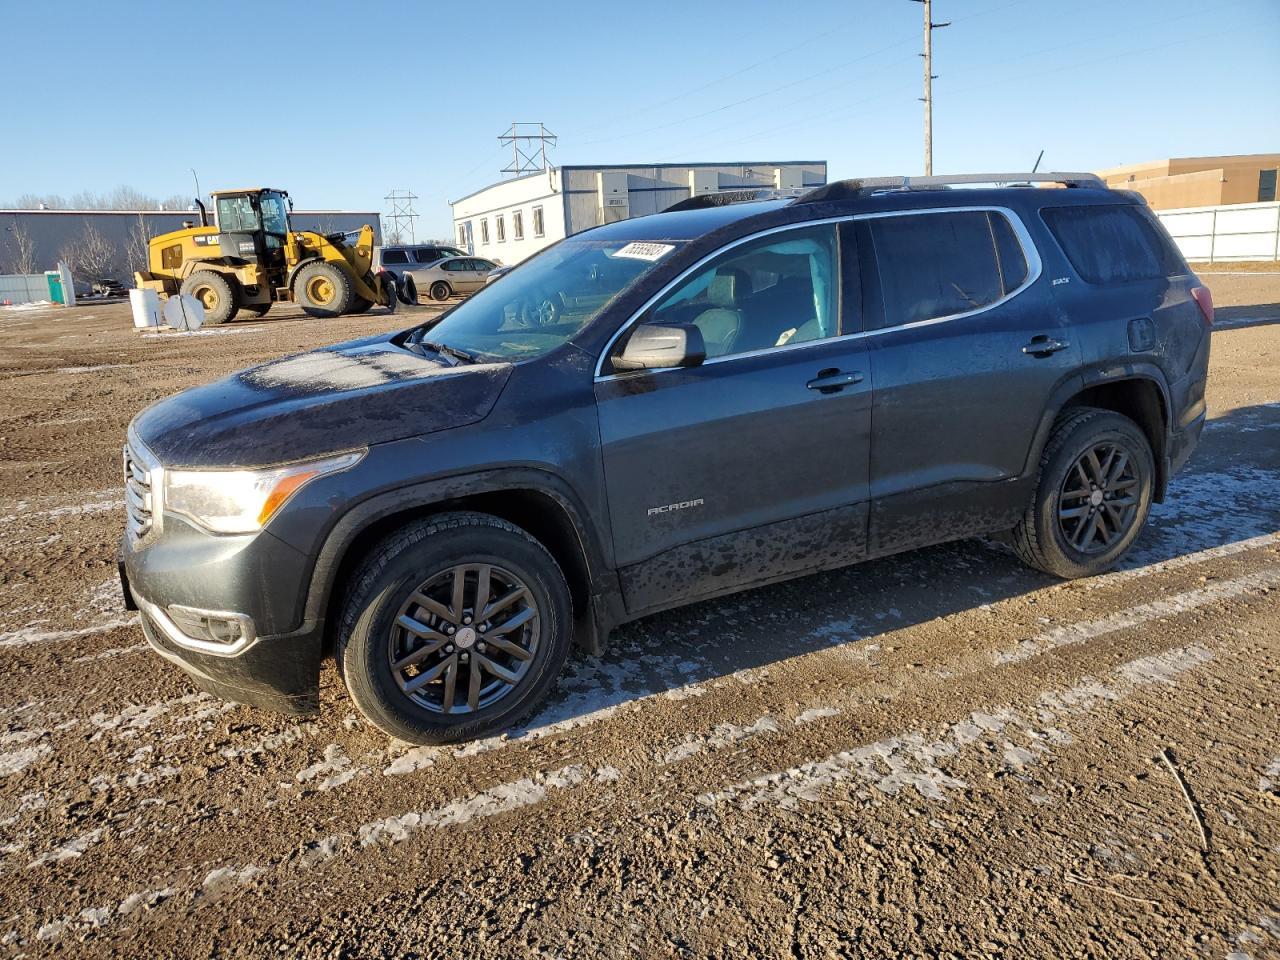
(92, 256)
(137, 247)
(22, 256)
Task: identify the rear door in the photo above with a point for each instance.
(966, 349)
(752, 466)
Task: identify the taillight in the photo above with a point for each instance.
(1204, 300)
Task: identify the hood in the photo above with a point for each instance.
(348, 395)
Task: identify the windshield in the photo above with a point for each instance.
(275, 215)
(541, 304)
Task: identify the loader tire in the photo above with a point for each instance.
(408, 290)
(323, 290)
(360, 305)
(219, 295)
(258, 309)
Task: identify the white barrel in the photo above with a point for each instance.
(146, 308)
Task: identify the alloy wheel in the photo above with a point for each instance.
(1099, 498)
(464, 639)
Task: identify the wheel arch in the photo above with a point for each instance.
(539, 504)
(1137, 391)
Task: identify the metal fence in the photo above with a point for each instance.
(1239, 231)
(23, 287)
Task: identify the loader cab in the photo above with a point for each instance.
(257, 221)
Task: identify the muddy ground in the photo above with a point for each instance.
(939, 754)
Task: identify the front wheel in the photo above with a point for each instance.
(440, 290)
(453, 628)
(1097, 476)
(218, 294)
(323, 289)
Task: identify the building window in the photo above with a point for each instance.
(517, 225)
(1267, 185)
(484, 230)
(539, 229)
(501, 222)
(462, 234)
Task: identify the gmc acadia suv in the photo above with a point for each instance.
(662, 410)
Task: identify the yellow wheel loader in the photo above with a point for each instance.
(252, 258)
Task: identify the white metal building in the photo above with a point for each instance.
(513, 219)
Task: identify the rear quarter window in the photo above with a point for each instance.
(940, 264)
(1117, 243)
(394, 256)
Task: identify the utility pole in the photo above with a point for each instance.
(929, 77)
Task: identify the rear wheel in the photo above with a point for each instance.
(1097, 475)
(408, 290)
(258, 309)
(219, 295)
(453, 628)
(323, 290)
(440, 290)
(359, 304)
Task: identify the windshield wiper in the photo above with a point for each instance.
(459, 356)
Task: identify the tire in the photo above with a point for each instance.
(440, 291)
(258, 309)
(218, 294)
(323, 290)
(360, 305)
(423, 559)
(1054, 534)
(408, 290)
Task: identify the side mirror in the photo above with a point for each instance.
(657, 345)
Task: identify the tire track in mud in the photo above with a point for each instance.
(910, 759)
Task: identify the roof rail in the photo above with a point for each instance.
(725, 197)
(866, 186)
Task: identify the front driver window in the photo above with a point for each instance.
(777, 290)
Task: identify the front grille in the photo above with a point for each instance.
(137, 495)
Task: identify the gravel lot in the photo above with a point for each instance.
(939, 754)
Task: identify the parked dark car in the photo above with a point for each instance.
(663, 410)
(107, 287)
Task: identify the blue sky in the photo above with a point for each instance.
(373, 96)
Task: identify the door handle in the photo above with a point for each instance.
(1043, 346)
(832, 380)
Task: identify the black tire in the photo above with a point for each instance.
(360, 305)
(218, 294)
(384, 586)
(408, 290)
(323, 289)
(440, 291)
(1059, 533)
(258, 309)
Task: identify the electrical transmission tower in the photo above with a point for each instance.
(528, 143)
(929, 77)
(402, 215)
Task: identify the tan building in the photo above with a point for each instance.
(1199, 181)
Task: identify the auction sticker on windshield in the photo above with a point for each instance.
(645, 251)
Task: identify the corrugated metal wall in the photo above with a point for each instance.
(54, 230)
(23, 288)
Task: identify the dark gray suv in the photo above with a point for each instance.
(662, 410)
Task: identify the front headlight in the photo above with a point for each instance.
(242, 501)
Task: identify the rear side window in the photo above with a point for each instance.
(394, 256)
(1112, 244)
(938, 264)
(427, 255)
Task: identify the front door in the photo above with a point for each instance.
(966, 349)
(752, 466)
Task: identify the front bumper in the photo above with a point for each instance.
(276, 666)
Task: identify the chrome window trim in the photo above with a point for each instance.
(1034, 269)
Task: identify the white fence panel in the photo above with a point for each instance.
(1241, 231)
(23, 287)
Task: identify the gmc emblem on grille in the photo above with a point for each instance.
(672, 507)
